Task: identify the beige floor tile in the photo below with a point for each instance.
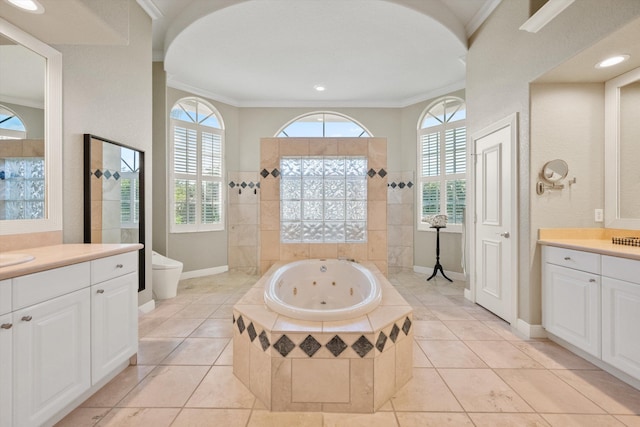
(175, 328)
(215, 298)
(481, 314)
(165, 309)
(503, 329)
(221, 389)
(225, 311)
(420, 360)
(165, 386)
(148, 324)
(434, 299)
(433, 419)
(83, 417)
(151, 351)
(508, 420)
(212, 417)
(546, 392)
(432, 330)
(196, 311)
(197, 351)
(450, 354)
(580, 420)
(378, 419)
(135, 417)
(552, 356)
(281, 419)
(502, 354)
(423, 313)
(425, 392)
(481, 390)
(226, 357)
(113, 392)
(450, 313)
(471, 330)
(214, 328)
(604, 389)
(386, 407)
(629, 420)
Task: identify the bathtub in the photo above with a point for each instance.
(322, 290)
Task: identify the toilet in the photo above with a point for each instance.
(166, 274)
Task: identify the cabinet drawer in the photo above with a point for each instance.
(578, 260)
(5, 296)
(39, 287)
(114, 266)
(621, 269)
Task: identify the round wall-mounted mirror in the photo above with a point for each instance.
(555, 171)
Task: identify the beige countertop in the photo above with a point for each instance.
(48, 257)
(590, 240)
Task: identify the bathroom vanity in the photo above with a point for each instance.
(591, 300)
(68, 324)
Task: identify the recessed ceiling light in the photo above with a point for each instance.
(614, 60)
(32, 6)
(320, 88)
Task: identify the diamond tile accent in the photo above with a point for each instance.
(232, 184)
(336, 346)
(240, 324)
(382, 173)
(251, 184)
(362, 346)
(371, 173)
(98, 173)
(233, 318)
(401, 185)
(394, 333)
(409, 184)
(393, 185)
(406, 326)
(310, 345)
(264, 341)
(243, 185)
(264, 173)
(107, 174)
(116, 175)
(382, 340)
(251, 330)
(257, 185)
(284, 345)
(275, 173)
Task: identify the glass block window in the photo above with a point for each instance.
(197, 191)
(323, 199)
(442, 161)
(323, 125)
(22, 188)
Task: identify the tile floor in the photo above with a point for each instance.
(469, 370)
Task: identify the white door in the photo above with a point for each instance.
(494, 282)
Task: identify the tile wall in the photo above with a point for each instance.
(243, 189)
(400, 215)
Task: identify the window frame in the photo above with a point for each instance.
(442, 178)
(365, 134)
(199, 177)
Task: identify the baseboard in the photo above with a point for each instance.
(204, 272)
(467, 294)
(450, 274)
(147, 307)
(530, 331)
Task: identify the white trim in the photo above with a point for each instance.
(151, 9)
(512, 122)
(429, 270)
(545, 14)
(530, 331)
(480, 16)
(53, 137)
(467, 294)
(204, 272)
(147, 307)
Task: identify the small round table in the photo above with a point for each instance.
(438, 267)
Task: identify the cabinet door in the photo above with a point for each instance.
(620, 320)
(571, 306)
(50, 356)
(114, 323)
(6, 333)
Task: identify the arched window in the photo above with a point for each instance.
(197, 144)
(323, 125)
(442, 157)
(11, 126)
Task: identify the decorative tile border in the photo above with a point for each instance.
(106, 174)
(400, 185)
(371, 173)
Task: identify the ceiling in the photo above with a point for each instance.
(367, 53)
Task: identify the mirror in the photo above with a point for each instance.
(30, 134)
(555, 171)
(622, 151)
(114, 195)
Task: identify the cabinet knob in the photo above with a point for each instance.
(119, 265)
(6, 325)
(100, 291)
(26, 318)
(567, 258)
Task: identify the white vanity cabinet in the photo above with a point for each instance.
(6, 349)
(51, 342)
(571, 297)
(621, 314)
(114, 312)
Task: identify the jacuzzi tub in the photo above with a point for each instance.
(322, 290)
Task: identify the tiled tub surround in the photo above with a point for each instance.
(271, 248)
(353, 365)
(243, 190)
(400, 192)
